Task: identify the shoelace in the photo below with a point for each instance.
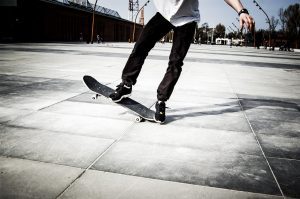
(119, 87)
(161, 108)
(122, 85)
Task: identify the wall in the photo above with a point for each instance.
(41, 20)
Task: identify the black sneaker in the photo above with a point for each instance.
(160, 116)
(121, 92)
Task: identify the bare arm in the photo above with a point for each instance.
(245, 19)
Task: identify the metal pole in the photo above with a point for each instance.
(133, 34)
(254, 44)
(268, 21)
(212, 36)
(92, 35)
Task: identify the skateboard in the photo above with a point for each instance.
(142, 112)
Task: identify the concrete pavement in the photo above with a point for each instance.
(232, 130)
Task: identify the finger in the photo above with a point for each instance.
(241, 23)
(249, 25)
(247, 22)
(244, 21)
(250, 22)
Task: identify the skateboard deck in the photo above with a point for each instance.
(142, 112)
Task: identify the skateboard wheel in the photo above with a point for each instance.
(139, 119)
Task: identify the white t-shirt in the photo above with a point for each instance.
(178, 12)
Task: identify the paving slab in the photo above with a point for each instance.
(250, 102)
(16, 80)
(9, 114)
(195, 138)
(96, 184)
(27, 103)
(30, 179)
(280, 146)
(288, 175)
(275, 115)
(98, 109)
(181, 164)
(279, 128)
(46, 146)
(189, 116)
(74, 124)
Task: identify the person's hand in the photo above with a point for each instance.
(246, 20)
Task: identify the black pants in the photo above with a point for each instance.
(155, 29)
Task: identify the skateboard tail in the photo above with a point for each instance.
(90, 82)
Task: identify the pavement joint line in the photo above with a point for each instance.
(264, 155)
(255, 137)
(60, 101)
(100, 156)
(43, 162)
(38, 161)
(191, 184)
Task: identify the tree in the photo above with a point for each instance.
(231, 35)
(290, 24)
(273, 23)
(202, 33)
(220, 31)
(292, 14)
(282, 19)
(259, 37)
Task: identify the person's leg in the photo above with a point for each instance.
(155, 29)
(182, 39)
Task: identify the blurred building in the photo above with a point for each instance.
(60, 20)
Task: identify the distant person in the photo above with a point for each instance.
(81, 37)
(99, 39)
(181, 16)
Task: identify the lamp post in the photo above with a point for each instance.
(268, 20)
(231, 28)
(233, 31)
(93, 21)
(228, 30)
(238, 30)
(298, 29)
(133, 34)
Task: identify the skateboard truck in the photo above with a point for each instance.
(139, 119)
(95, 96)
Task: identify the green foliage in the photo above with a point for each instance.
(220, 31)
(291, 17)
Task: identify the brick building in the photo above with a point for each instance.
(60, 20)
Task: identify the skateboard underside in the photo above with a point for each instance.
(141, 111)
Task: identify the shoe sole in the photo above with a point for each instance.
(124, 96)
(157, 121)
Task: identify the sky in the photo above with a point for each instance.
(212, 11)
